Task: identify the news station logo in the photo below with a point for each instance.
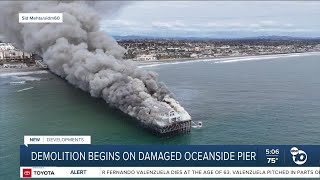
(298, 156)
(26, 173)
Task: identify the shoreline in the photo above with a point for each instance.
(164, 61)
(8, 71)
(17, 71)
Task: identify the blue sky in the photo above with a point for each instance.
(216, 19)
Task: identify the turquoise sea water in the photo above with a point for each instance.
(275, 101)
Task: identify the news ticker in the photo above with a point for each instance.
(54, 157)
(169, 172)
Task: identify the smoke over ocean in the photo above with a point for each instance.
(86, 57)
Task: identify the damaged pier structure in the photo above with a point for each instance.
(173, 129)
(167, 119)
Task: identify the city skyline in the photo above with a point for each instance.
(216, 19)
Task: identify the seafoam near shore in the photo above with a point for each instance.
(21, 71)
(224, 59)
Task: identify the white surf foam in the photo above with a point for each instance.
(267, 57)
(233, 59)
(5, 74)
(28, 78)
(246, 59)
(17, 82)
(166, 63)
(25, 89)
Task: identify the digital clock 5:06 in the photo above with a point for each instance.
(272, 151)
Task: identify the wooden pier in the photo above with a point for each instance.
(176, 128)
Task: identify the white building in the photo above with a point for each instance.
(197, 49)
(225, 47)
(6, 46)
(14, 53)
(2, 54)
(194, 55)
(317, 47)
(145, 57)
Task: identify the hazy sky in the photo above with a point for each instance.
(216, 18)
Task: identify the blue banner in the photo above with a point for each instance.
(171, 155)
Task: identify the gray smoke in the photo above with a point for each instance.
(86, 57)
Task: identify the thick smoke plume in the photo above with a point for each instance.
(86, 57)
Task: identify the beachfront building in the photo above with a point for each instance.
(194, 55)
(8, 51)
(6, 46)
(2, 54)
(13, 54)
(146, 57)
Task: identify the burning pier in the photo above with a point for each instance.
(166, 117)
(175, 128)
(78, 51)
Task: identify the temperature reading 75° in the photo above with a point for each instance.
(272, 160)
(272, 155)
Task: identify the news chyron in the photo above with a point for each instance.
(76, 157)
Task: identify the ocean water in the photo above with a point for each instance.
(261, 101)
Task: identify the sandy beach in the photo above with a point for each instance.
(165, 61)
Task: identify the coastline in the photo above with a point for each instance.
(14, 71)
(17, 71)
(164, 61)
